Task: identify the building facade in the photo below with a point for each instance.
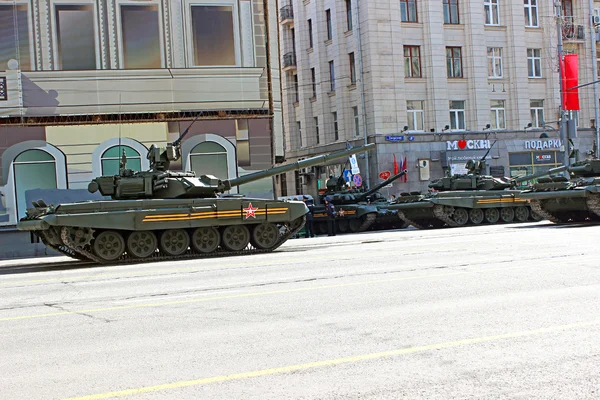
(83, 80)
(433, 83)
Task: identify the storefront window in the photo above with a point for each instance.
(528, 163)
(33, 169)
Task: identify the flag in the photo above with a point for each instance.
(396, 167)
(570, 78)
(404, 166)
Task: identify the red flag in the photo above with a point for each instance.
(570, 72)
(396, 167)
(404, 166)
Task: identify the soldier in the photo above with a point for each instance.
(310, 220)
(331, 214)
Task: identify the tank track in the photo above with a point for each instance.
(408, 221)
(443, 214)
(84, 253)
(536, 205)
(62, 249)
(368, 222)
(593, 203)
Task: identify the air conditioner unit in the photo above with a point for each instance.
(303, 180)
(596, 19)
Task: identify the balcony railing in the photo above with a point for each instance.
(289, 60)
(286, 13)
(572, 31)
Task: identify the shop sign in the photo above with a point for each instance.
(468, 144)
(544, 158)
(543, 144)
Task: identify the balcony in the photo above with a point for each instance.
(572, 31)
(289, 61)
(286, 15)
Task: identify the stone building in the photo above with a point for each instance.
(416, 77)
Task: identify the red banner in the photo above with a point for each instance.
(570, 79)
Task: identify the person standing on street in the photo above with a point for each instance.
(310, 219)
(331, 214)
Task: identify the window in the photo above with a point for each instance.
(356, 125)
(213, 35)
(242, 142)
(299, 131)
(454, 62)
(209, 158)
(310, 34)
(457, 115)
(111, 160)
(317, 129)
(296, 91)
(336, 132)
(332, 76)
(33, 169)
(497, 114)
(531, 13)
(140, 37)
(534, 63)
(313, 79)
(492, 15)
(408, 10)
(349, 14)
(451, 12)
(567, 8)
(352, 69)
(415, 115)
(537, 113)
(75, 37)
(328, 20)
(494, 55)
(412, 62)
(8, 45)
(598, 63)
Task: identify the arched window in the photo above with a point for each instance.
(111, 159)
(209, 158)
(33, 169)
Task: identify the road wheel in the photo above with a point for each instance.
(476, 216)
(343, 226)
(141, 244)
(461, 216)
(265, 236)
(321, 227)
(174, 242)
(205, 239)
(235, 237)
(535, 216)
(109, 245)
(521, 214)
(354, 224)
(492, 215)
(507, 214)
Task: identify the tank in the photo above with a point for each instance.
(160, 214)
(468, 199)
(568, 200)
(358, 210)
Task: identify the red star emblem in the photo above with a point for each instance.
(250, 212)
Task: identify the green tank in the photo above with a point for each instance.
(563, 200)
(471, 198)
(160, 214)
(357, 210)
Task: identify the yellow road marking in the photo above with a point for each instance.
(336, 361)
(254, 294)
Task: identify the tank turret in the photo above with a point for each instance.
(160, 183)
(338, 193)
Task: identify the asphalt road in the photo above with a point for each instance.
(480, 312)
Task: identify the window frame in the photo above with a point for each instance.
(332, 76)
(299, 130)
(451, 74)
(529, 10)
(411, 59)
(124, 141)
(328, 24)
(310, 34)
(316, 121)
(497, 111)
(352, 64)
(188, 29)
(447, 4)
(489, 6)
(296, 84)
(190, 143)
(356, 117)
(313, 81)
(336, 131)
(119, 29)
(415, 113)
(30, 33)
(55, 46)
(455, 118)
(536, 110)
(491, 62)
(118, 158)
(408, 20)
(531, 63)
(349, 24)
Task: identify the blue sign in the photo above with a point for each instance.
(357, 180)
(395, 138)
(347, 175)
(411, 138)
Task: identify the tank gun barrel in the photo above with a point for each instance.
(540, 174)
(309, 162)
(384, 183)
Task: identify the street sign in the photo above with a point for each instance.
(347, 175)
(357, 180)
(354, 164)
(394, 138)
(385, 175)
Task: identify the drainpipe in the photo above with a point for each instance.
(362, 91)
(594, 76)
